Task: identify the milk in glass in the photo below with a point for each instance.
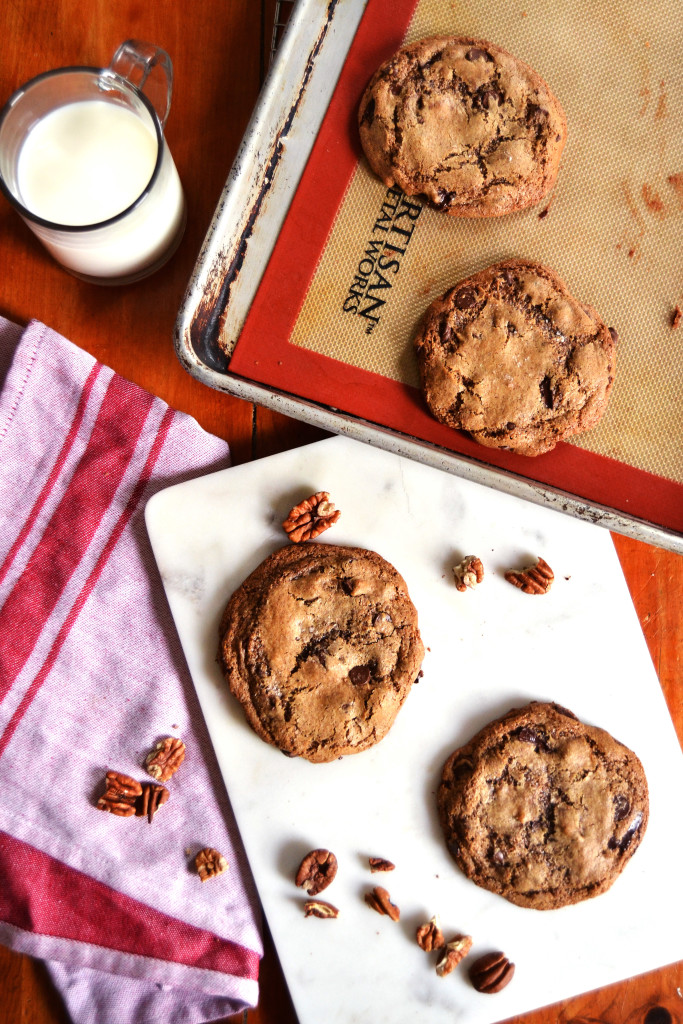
(85, 163)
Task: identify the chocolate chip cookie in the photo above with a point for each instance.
(465, 124)
(542, 809)
(511, 357)
(320, 645)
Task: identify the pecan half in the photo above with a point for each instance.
(165, 759)
(535, 579)
(468, 573)
(120, 795)
(380, 864)
(150, 800)
(453, 952)
(492, 972)
(319, 908)
(311, 517)
(380, 901)
(429, 936)
(209, 863)
(316, 871)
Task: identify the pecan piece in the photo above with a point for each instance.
(310, 518)
(150, 800)
(676, 317)
(429, 936)
(380, 864)
(120, 795)
(468, 573)
(165, 759)
(319, 908)
(453, 952)
(209, 863)
(316, 871)
(535, 579)
(380, 901)
(492, 972)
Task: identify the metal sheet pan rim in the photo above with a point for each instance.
(338, 422)
(271, 158)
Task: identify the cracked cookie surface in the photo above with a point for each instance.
(321, 646)
(464, 123)
(512, 358)
(541, 808)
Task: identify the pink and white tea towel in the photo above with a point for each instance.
(92, 676)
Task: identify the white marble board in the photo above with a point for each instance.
(487, 650)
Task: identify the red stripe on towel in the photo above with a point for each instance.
(44, 896)
(55, 471)
(74, 612)
(72, 527)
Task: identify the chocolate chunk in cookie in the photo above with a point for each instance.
(321, 646)
(464, 123)
(511, 357)
(542, 809)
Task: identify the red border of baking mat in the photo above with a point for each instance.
(262, 353)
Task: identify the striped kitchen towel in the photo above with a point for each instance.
(92, 676)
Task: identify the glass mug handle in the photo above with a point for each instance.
(149, 69)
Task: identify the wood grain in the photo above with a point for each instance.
(220, 49)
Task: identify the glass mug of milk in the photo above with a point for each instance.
(84, 161)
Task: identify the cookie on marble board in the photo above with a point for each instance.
(321, 646)
(541, 808)
(512, 358)
(464, 123)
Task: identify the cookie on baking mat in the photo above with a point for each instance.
(465, 124)
(321, 646)
(511, 357)
(542, 809)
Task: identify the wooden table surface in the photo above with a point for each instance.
(220, 51)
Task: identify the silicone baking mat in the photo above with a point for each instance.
(356, 263)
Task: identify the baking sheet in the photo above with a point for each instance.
(487, 650)
(614, 238)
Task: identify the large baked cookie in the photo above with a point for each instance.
(509, 356)
(543, 809)
(321, 646)
(464, 123)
